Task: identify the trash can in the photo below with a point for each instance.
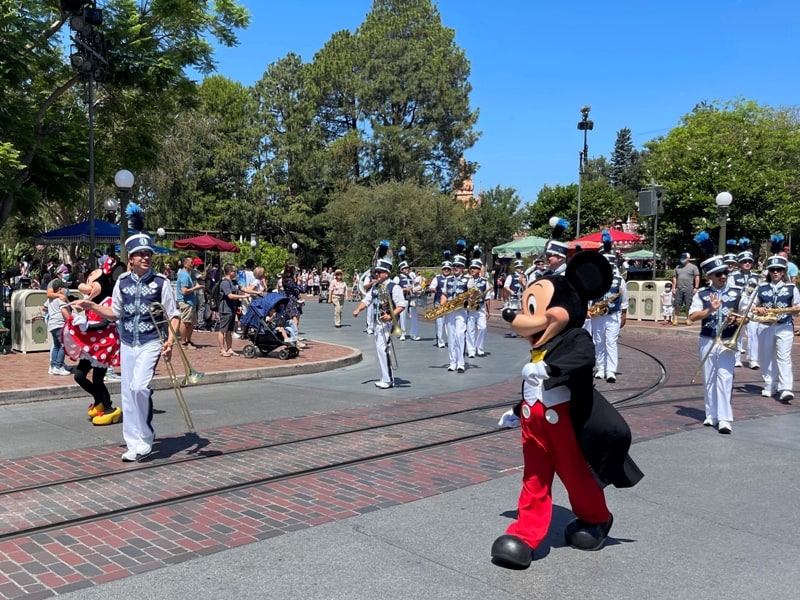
(634, 304)
(649, 301)
(28, 327)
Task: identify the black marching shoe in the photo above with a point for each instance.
(585, 536)
(510, 551)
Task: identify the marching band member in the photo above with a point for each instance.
(437, 289)
(555, 253)
(141, 343)
(476, 319)
(512, 289)
(715, 306)
(456, 321)
(388, 303)
(413, 304)
(606, 325)
(406, 284)
(748, 281)
(775, 338)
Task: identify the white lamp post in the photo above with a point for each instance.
(124, 180)
(723, 201)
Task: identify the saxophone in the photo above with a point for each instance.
(599, 309)
(465, 300)
(773, 314)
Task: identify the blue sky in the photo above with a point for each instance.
(638, 64)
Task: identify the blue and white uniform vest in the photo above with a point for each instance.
(455, 286)
(376, 301)
(136, 326)
(730, 297)
(616, 289)
(747, 282)
(482, 283)
(778, 296)
(515, 285)
(441, 281)
(405, 281)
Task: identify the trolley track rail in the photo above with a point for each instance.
(24, 509)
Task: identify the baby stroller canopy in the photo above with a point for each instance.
(259, 308)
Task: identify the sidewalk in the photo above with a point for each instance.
(24, 378)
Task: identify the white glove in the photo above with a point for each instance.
(79, 319)
(509, 419)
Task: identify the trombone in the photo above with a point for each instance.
(159, 318)
(733, 342)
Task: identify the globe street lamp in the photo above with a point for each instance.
(585, 125)
(723, 201)
(123, 179)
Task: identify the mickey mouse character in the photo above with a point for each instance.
(568, 428)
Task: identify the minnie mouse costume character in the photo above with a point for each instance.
(568, 428)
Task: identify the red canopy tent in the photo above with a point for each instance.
(617, 237)
(206, 242)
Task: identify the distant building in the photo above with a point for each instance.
(465, 193)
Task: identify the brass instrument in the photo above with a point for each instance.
(773, 314)
(386, 306)
(600, 308)
(731, 344)
(159, 318)
(465, 300)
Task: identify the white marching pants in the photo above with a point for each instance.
(718, 378)
(382, 331)
(440, 330)
(137, 367)
(476, 331)
(605, 333)
(456, 324)
(775, 356)
(370, 316)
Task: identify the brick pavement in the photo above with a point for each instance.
(42, 564)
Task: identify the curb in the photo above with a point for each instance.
(163, 382)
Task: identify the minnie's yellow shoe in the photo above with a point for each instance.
(95, 409)
(108, 418)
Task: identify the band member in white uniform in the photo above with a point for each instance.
(775, 338)
(715, 305)
(456, 321)
(606, 328)
(437, 289)
(379, 296)
(476, 319)
(413, 306)
(408, 318)
(748, 281)
(514, 284)
(370, 309)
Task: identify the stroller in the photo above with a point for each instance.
(262, 332)
(324, 284)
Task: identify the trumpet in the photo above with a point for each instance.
(159, 318)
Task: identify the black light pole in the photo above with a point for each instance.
(87, 56)
(585, 125)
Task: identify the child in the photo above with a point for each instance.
(666, 304)
(58, 313)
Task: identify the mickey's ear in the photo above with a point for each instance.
(590, 274)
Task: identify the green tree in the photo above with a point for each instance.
(151, 43)
(422, 219)
(495, 219)
(415, 95)
(752, 151)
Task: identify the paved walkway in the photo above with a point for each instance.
(700, 524)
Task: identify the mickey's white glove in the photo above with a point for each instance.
(509, 419)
